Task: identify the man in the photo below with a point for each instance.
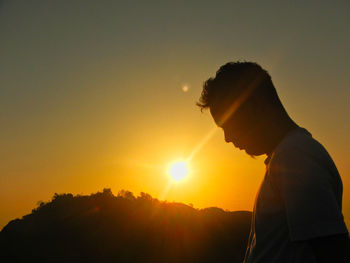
(297, 214)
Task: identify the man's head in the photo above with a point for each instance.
(243, 100)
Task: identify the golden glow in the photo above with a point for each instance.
(206, 138)
(178, 170)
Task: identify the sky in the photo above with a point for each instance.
(93, 97)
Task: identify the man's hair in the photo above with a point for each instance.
(235, 79)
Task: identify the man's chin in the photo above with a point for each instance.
(250, 151)
(253, 153)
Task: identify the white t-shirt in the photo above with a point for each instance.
(300, 198)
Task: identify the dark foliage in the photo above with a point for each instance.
(124, 228)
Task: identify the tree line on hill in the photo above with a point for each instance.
(102, 227)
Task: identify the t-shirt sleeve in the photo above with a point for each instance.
(307, 191)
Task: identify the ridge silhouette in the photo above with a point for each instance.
(103, 227)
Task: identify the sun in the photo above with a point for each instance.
(178, 170)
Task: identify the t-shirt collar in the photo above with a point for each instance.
(267, 160)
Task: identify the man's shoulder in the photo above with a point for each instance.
(300, 147)
(299, 141)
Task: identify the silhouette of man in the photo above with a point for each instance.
(297, 214)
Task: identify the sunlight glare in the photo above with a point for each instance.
(178, 170)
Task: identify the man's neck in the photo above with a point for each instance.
(278, 130)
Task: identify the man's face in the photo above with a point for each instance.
(242, 128)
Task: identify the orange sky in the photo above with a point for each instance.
(92, 95)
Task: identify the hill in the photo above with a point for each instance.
(103, 227)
